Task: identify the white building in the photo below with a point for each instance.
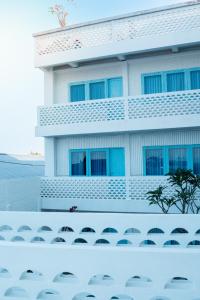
(121, 107)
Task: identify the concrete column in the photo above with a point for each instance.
(50, 156)
(127, 156)
(48, 86)
(125, 74)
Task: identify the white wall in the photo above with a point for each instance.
(64, 144)
(157, 138)
(63, 78)
(21, 194)
(136, 67)
(159, 265)
(133, 144)
(159, 63)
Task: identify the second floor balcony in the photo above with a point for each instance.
(121, 114)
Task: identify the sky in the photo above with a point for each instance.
(21, 85)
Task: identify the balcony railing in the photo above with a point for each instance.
(114, 194)
(153, 25)
(114, 111)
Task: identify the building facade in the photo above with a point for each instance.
(121, 107)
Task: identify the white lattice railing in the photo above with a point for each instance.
(103, 188)
(107, 110)
(47, 271)
(133, 27)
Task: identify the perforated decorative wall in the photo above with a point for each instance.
(103, 230)
(82, 112)
(128, 28)
(83, 272)
(165, 104)
(146, 106)
(132, 188)
(83, 188)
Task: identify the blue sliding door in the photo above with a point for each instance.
(117, 161)
(98, 162)
(97, 90)
(78, 163)
(195, 79)
(154, 163)
(152, 84)
(177, 159)
(175, 81)
(115, 88)
(196, 160)
(77, 92)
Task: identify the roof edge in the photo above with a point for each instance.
(137, 13)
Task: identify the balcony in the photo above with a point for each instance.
(146, 112)
(159, 29)
(114, 194)
(106, 271)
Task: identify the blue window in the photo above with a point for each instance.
(115, 88)
(99, 89)
(177, 159)
(77, 92)
(170, 81)
(97, 162)
(195, 79)
(175, 81)
(152, 84)
(78, 163)
(161, 160)
(154, 161)
(196, 160)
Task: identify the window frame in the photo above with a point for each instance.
(165, 148)
(163, 74)
(87, 88)
(88, 160)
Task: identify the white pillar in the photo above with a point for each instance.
(50, 156)
(127, 156)
(125, 74)
(48, 86)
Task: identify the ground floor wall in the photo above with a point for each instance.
(20, 194)
(58, 149)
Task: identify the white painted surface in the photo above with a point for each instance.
(135, 228)
(138, 33)
(158, 138)
(133, 146)
(156, 267)
(107, 194)
(20, 194)
(136, 67)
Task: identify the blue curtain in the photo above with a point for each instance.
(175, 81)
(196, 160)
(78, 163)
(152, 84)
(97, 90)
(195, 79)
(177, 159)
(115, 88)
(98, 160)
(77, 92)
(154, 162)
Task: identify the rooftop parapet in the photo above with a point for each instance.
(151, 30)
